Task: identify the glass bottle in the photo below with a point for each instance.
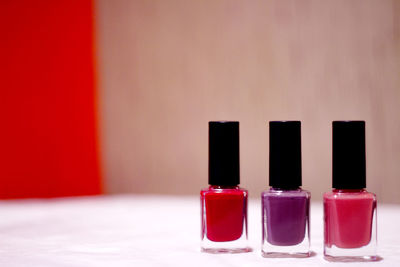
(224, 203)
(285, 206)
(349, 210)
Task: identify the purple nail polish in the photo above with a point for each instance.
(285, 206)
(286, 216)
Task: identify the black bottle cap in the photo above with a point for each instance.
(348, 155)
(223, 153)
(285, 154)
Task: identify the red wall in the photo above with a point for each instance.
(48, 143)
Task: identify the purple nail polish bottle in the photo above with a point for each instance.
(285, 206)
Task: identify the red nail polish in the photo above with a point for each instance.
(349, 210)
(224, 203)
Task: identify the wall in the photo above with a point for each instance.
(168, 67)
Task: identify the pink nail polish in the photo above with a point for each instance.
(349, 210)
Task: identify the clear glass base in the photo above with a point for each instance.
(352, 258)
(299, 251)
(237, 246)
(366, 253)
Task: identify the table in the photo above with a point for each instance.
(147, 230)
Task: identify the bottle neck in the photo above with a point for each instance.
(224, 187)
(348, 190)
(285, 189)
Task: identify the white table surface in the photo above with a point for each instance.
(131, 230)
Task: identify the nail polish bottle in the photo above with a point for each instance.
(285, 206)
(224, 203)
(349, 210)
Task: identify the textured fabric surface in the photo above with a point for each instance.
(147, 231)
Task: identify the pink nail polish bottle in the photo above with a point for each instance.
(349, 210)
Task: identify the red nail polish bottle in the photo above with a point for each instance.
(349, 210)
(224, 203)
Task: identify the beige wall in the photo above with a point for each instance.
(168, 67)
